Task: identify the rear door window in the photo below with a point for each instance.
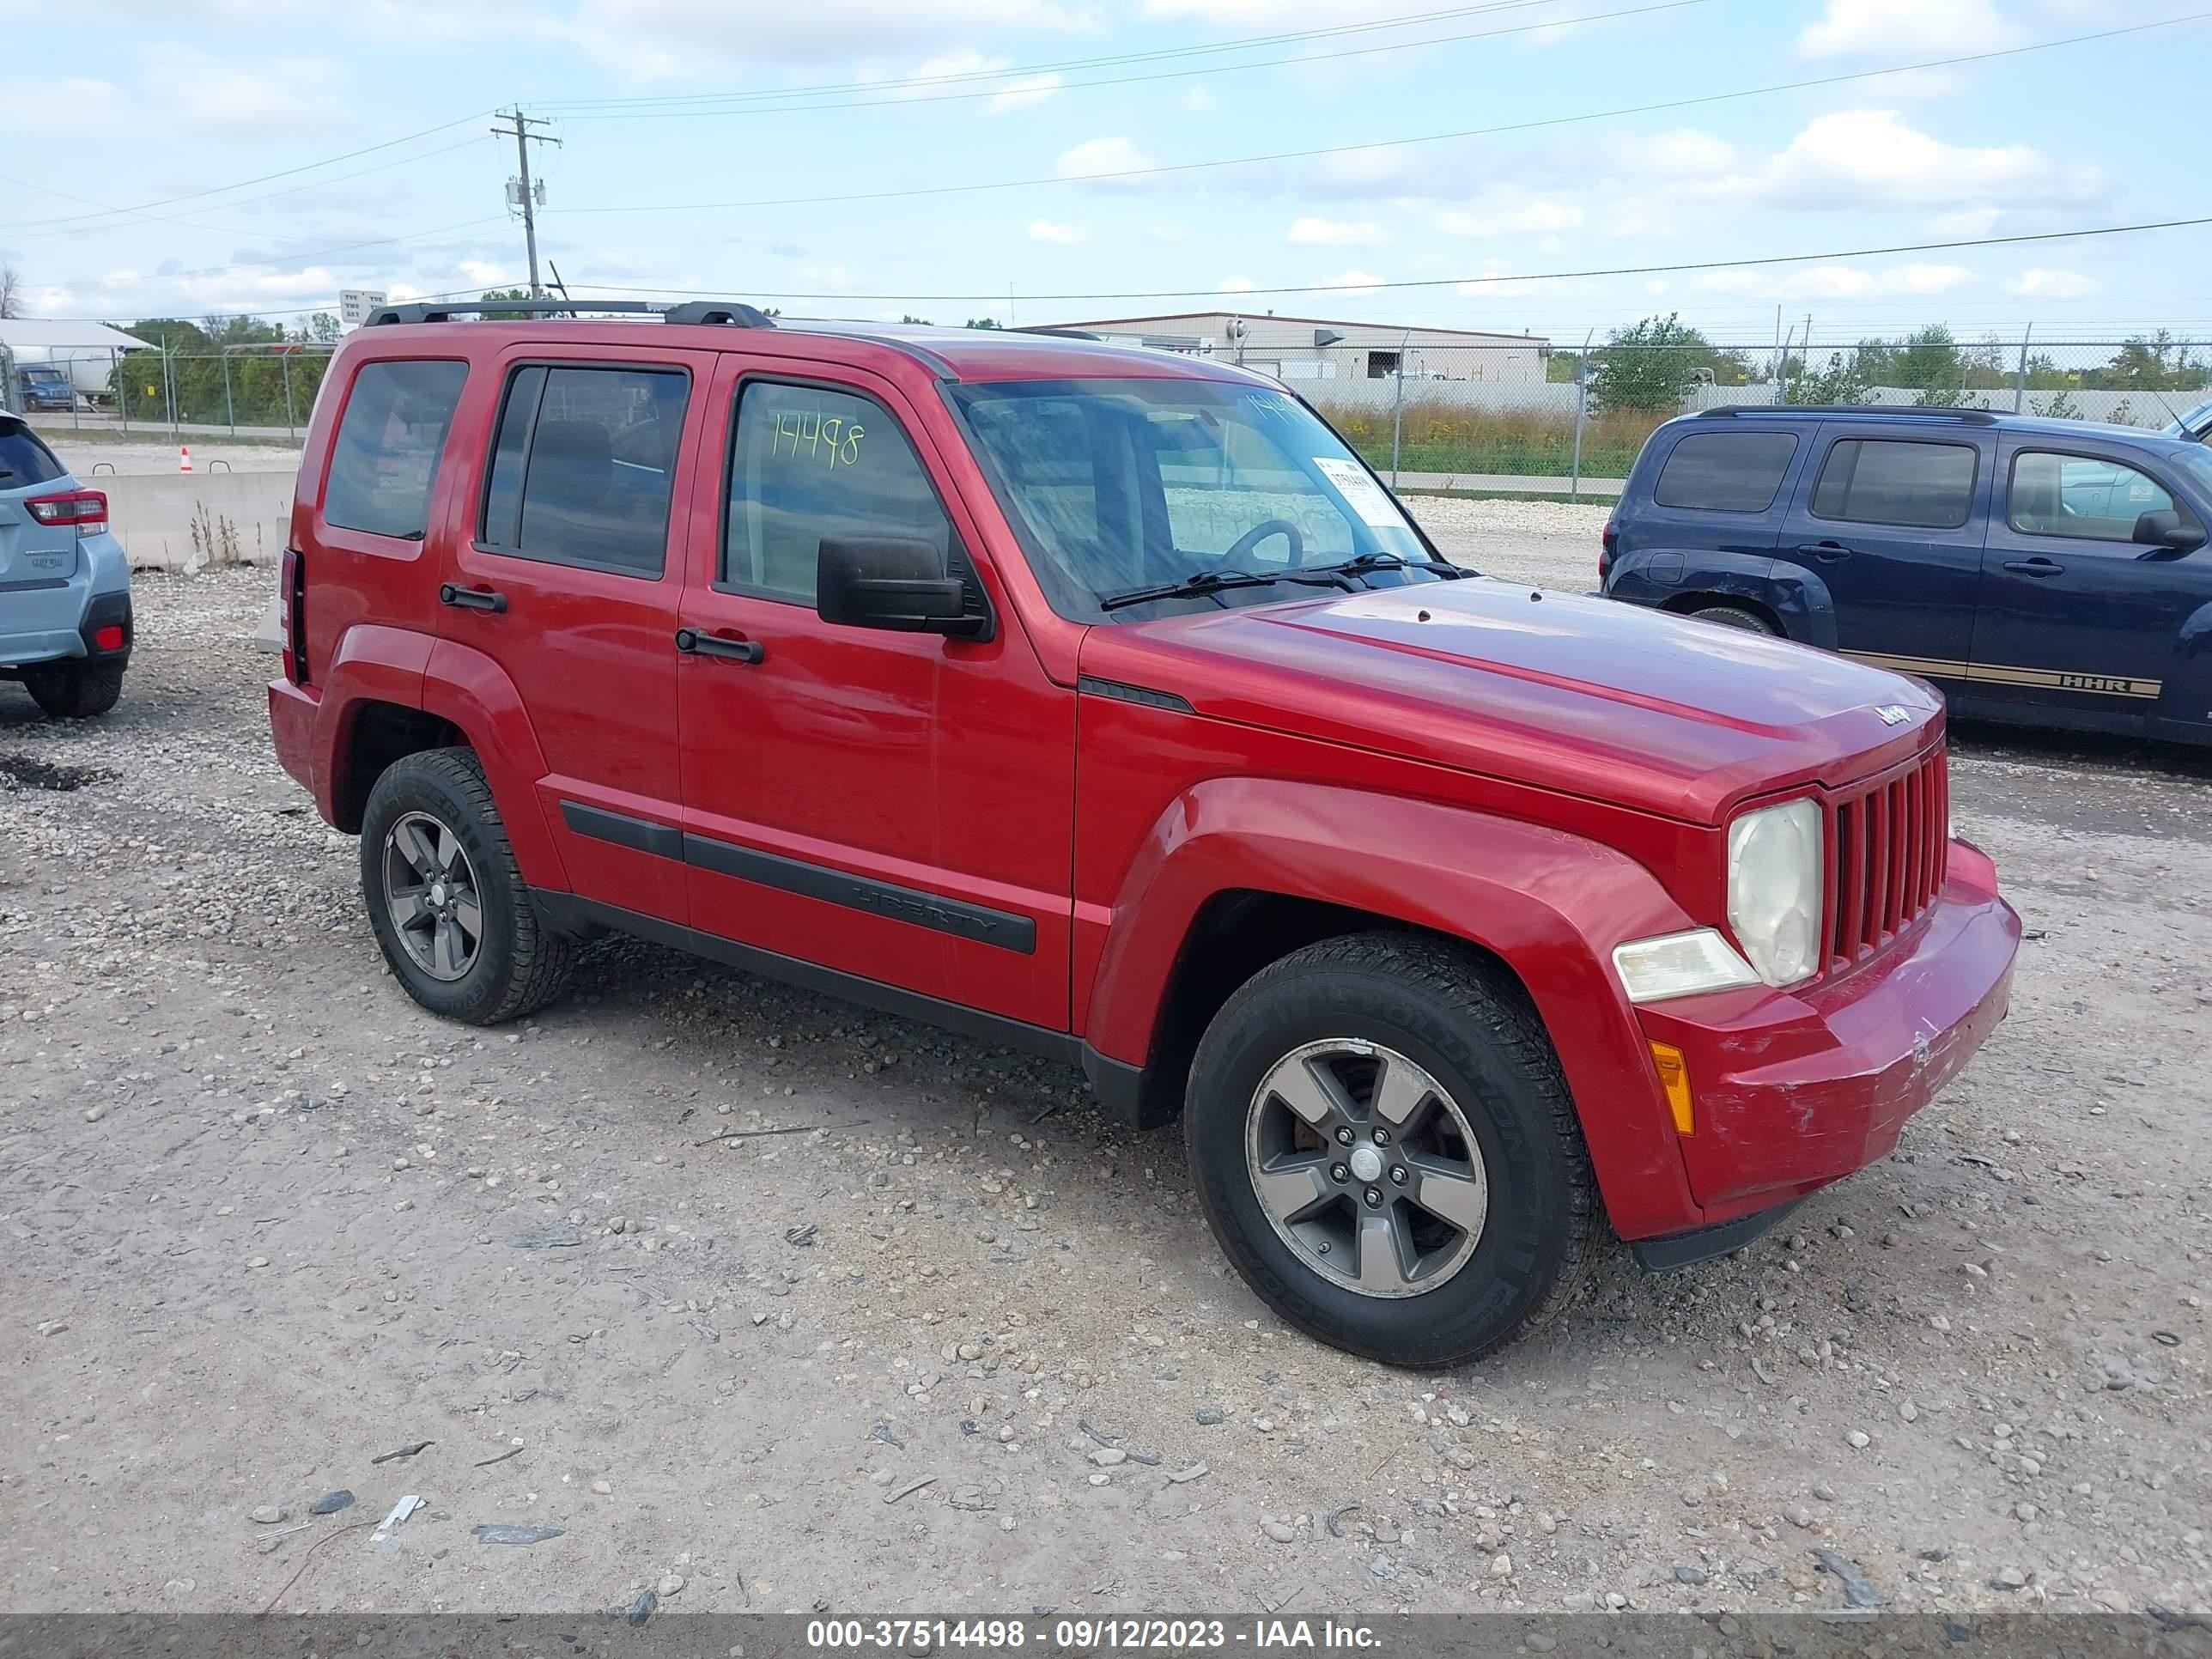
(24, 460)
(1927, 486)
(1725, 471)
(582, 466)
(384, 462)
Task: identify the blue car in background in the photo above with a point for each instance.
(66, 624)
(2047, 572)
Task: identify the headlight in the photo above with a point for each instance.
(1679, 965)
(1774, 899)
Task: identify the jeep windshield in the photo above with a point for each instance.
(1137, 498)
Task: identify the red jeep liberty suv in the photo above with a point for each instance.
(1102, 701)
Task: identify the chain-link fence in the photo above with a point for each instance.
(1436, 406)
(264, 389)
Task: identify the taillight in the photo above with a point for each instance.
(292, 605)
(1607, 540)
(85, 508)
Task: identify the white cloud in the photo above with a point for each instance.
(646, 38)
(1891, 28)
(483, 274)
(1235, 285)
(1102, 158)
(2041, 282)
(1678, 152)
(832, 277)
(1024, 92)
(1196, 99)
(926, 76)
(272, 97)
(1058, 235)
(1509, 213)
(1836, 283)
(1275, 15)
(1354, 279)
(1168, 233)
(1327, 233)
(1870, 158)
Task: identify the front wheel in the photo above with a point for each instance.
(74, 690)
(1387, 1152)
(446, 898)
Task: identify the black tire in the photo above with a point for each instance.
(520, 964)
(1466, 1023)
(74, 690)
(1734, 616)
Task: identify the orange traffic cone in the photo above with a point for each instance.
(184, 458)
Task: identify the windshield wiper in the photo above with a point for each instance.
(1220, 581)
(1370, 562)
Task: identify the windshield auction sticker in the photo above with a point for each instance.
(1361, 493)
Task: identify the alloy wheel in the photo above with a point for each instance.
(1366, 1167)
(430, 892)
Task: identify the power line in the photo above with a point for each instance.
(1019, 71)
(893, 96)
(242, 184)
(1395, 144)
(1485, 280)
(243, 201)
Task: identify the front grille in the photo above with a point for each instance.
(1890, 834)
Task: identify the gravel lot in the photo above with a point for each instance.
(711, 1276)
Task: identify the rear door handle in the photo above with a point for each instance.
(692, 642)
(472, 599)
(2037, 566)
(1826, 552)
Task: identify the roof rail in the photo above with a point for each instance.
(731, 312)
(1879, 412)
(1060, 333)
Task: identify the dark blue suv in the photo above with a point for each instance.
(2048, 572)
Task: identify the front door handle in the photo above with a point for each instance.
(1826, 552)
(692, 642)
(2036, 567)
(472, 599)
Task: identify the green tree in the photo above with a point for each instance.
(1929, 362)
(505, 294)
(906, 317)
(1843, 381)
(1649, 366)
(982, 322)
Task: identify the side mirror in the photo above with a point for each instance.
(2161, 527)
(896, 582)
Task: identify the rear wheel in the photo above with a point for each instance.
(1387, 1152)
(74, 690)
(445, 898)
(1734, 616)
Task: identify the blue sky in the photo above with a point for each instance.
(695, 156)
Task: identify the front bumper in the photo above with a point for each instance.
(1793, 1089)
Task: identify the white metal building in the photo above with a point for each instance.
(1320, 349)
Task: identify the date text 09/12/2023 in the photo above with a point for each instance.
(1084, 1635)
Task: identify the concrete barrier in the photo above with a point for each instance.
(180, 520)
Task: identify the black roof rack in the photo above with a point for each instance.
(1878, 411)
(1060, 333)
(732, 313)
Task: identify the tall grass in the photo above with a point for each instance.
(1443, 437)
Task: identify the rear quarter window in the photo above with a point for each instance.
(384, 460)
(23, 459)
(1725, 471)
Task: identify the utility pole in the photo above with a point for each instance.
(524, 138)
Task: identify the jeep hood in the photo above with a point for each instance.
(1589, 696)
